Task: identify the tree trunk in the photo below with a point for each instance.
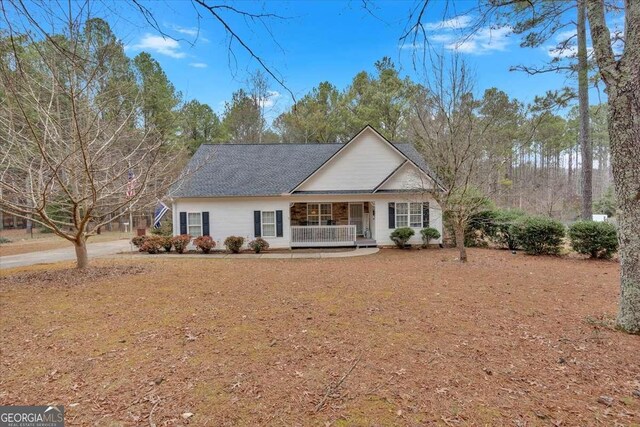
(624, 131)
(459, 233)
(583, 108)
(622, 78)
(82, 258)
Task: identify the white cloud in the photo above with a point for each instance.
(159, 44)
(483, 41)
(456, 23)
(190, 31)
(563, 36)
(198, 65)
(566, 52)
(271, 98)
(448, 34)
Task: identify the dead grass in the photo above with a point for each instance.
(22, 243)
(504, 340)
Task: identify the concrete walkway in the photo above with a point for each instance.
(119, 249)
(95, 250)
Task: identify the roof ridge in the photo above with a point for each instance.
(274, 143)
(289, 143)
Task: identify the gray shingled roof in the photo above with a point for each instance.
(260, 169)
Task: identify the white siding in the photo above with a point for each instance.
(234, 216)
(408, 177)
(363, 164)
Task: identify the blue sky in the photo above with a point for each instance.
(318, 41)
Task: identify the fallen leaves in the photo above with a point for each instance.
(261, 343)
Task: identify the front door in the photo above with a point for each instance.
(356, 212)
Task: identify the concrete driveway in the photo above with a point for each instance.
(95, 250)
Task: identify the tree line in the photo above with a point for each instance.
(534, 153)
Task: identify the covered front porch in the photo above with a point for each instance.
(326, 224)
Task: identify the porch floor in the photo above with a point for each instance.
(362, 242)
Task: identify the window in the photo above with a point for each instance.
(268, 224)
(319, 213)
(415, 218)
(194, 224)
(409, 215)
(402, 215)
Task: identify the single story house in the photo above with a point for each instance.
(307, 195)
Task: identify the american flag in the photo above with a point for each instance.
(131, 185)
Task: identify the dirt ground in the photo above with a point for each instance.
(397, 338)
(22, 243)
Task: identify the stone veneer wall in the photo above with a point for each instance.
(339, 211)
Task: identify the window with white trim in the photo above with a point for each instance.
(409, 215)
(194, 224)
(319, 213)
(268, 224)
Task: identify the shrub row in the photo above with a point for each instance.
(155, 243)
(402, 235)
(513, 229)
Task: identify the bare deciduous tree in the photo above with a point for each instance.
(451, 133)
(66, 158)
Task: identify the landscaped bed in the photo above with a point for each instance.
(396, 338)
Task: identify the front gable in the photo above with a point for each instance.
(407, 177)
(363, 163)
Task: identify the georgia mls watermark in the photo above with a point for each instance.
(31, 416)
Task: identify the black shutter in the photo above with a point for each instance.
(183, 223)
(425, 214)
(257, 226)
(278, 223)
(205, 223)
(392, 215)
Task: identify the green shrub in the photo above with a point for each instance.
(478, 228)
(4, 240)
(499, 231)
(166, 229)
(538, 235)
(46, 230)
(258, 245)
(138, 241)
(597, 239)
(606, 204)
(152, 244)
(204, 243)
(428, 234)
(181, 242)
(234, 243)
(401, 236)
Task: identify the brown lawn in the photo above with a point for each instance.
(22, 243)
(417, 339)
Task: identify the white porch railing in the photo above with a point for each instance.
(323, 235)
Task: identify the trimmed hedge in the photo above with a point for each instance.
(597, 239)
(152, 244)
(538, 235)
(428, 234)
(234, 243)
(401, 236)
(138, 241)
(204, 243)
(258, 245)
(181, 242)
(499, 231)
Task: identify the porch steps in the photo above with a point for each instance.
(366, 243)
